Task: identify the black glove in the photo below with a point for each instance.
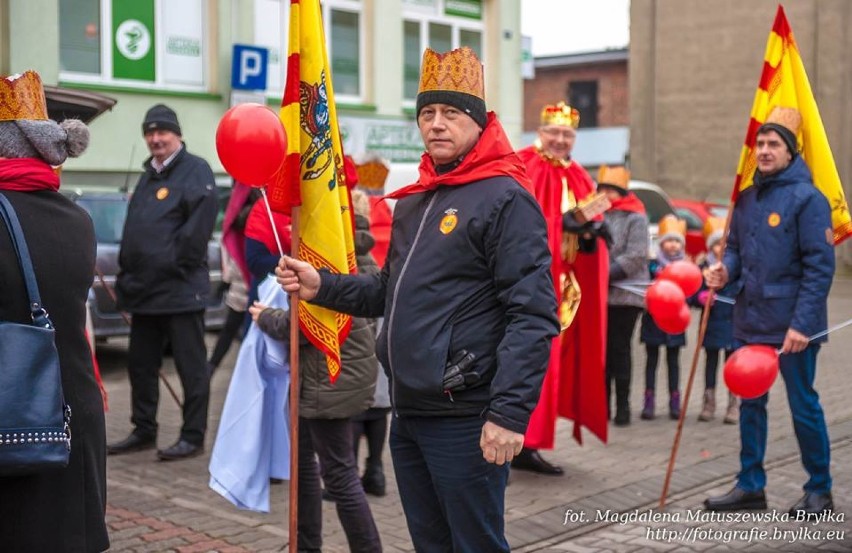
(456, 374)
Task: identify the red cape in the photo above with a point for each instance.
(381, 220)
(575, 383)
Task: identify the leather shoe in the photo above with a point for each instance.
(531, 460)
(180, 450)
(134, 442)
(736, 500)
(812, 504)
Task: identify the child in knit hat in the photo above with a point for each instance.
(672, 233)
(719, 335)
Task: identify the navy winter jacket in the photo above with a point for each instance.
(468, 269)
(780, 247)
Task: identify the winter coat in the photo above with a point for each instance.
(61, 510)
(628, 255)
(163, 257)
(468, 269)
(780, 245)
(352, 392)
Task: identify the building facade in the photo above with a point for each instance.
(694, 69)
(181, 53)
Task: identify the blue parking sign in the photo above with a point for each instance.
(248, 69)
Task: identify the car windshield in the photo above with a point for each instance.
(720, 211)
(108, 215)
(655, 205)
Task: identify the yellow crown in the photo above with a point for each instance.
(22, 97)
(458, 70)
(789, 118)
(670, 224)
(712, 224)
(614, 176)
(560, 114)
(372, 175)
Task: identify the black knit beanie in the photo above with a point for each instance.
(786, 135)
(161, 117)
(468, 103)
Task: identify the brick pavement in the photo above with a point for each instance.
(156, 506)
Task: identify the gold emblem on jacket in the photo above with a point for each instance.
(774, 219)
(449, 222)
(162, 193)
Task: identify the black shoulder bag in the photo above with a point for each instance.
(34, 420)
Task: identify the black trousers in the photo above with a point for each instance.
(233, 323)
(185, 332)
(621, 323)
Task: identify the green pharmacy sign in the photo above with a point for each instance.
(133, 39)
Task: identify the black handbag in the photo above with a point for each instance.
(34, 420)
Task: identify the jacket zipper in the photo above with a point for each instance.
(396, 292)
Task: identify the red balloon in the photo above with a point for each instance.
(664, 299)
(251, 143)
(676, 323)
(685, 274)
(751, 370)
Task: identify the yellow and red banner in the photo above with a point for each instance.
(313, 175)
(784, 82)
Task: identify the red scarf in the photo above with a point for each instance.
(27, 174)
(258, 227)
(491, 156)
(628, 203)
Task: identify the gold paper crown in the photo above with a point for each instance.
(712, 224)
(372, 175)
(458, 70)
(560, 114)
(670, 224)
(789, 118)
(614, 176)
(22, 97)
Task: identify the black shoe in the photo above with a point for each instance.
(531, 460)
(180, 450)
(622, 417)
(134, 442)
(373, 482)
(811, 504)
(736, 500)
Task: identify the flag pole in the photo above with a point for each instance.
(294, 393)
(702, 329)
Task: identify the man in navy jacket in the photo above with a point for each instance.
(780, 246)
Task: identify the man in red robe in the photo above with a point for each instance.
(574, 386)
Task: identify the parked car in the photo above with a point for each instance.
(657, 205)
(696, 213)
(108, 211)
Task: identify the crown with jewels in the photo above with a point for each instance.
(560, 114)
(22, 97)
(458, 70)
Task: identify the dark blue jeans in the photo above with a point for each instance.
(452, 498)
(330, 441)
(798, 371)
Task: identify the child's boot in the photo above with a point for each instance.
(674, 405)
(732, 414)
(648, 406)
(708, 410)
(373, 480)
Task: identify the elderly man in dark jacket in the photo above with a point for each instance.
(780, 246)
(164, 283)
(469, 310)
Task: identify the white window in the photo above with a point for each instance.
(441, 25)
(147, 44)
(343, 24)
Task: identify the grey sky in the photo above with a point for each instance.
(570, 26)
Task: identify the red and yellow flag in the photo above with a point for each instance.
(784, 82)
(313, 175)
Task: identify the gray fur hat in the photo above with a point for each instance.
(44, 139)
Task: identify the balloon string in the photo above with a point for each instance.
(633, 286)
(271, 221)
(825, 332)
